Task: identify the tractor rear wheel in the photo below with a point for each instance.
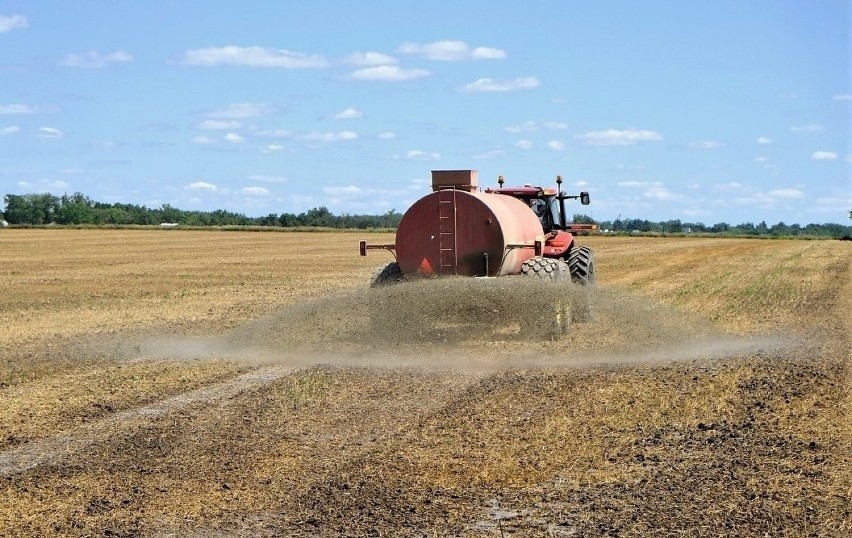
(581, 263)
(557, 319)
(389, 273)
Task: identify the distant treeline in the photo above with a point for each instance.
(77, 209)
(748, 228)
(39, 209)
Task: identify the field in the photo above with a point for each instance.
(192, 383)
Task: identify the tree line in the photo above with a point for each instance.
(779, 229)
(77, 209)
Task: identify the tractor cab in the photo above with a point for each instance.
(548, 203)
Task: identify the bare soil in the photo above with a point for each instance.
(246, 384)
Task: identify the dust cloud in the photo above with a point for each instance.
(469, 324)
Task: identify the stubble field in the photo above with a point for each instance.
(193, 383)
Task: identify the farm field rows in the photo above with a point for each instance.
(174, 383)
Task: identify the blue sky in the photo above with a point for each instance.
(701, 111)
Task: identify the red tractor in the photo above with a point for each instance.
(459, 230)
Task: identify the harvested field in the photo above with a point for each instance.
(178, 383)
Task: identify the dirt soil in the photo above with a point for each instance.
(166, 383)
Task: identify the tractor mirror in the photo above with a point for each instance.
(584, 198)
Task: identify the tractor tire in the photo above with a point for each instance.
(389, 273)
(581, 263)
(543, 268)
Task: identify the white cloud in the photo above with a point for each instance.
(50, 132)
(12, 129)
(331, 137)
(493, 154)
(786, 193)
(241, 110)
(18, 109)
(762, 160)
(234, 138)
(763, 140)
(57, 185)
(556, 145)
(451, 51)
(348, 190)
(203, 140)
(369, 58)
(273, 148)
(616, 137)
(824, 156)
(529, 126)
(252, 57)
(657, 191)
(93, 59)
(12, 22)
(416, 154)
(706, 144)
(842, 97)
(214, 125)
(491, 85)
(387, 135)
(389, 73)
(201, 186)
(348, 114)
(275, 133)
(254, 191)
(267, 178)
(812, 128)
(524, 144)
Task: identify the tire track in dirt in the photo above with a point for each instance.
(68, 443)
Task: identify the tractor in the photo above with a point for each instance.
(460, 230)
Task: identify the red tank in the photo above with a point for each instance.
(458, 231)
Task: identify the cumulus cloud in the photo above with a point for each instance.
(706, 144)
(234, 138)
(812, 128)
(252, 57)
(786, 193)
(658, 191)
(616, 137)
(241, 110)
(369, 58)
(416, 154)
(330, 137)
(273, 148)
(556, 145)
(524, 144)
(387, 135)
(254, 191)
(216, 125)
(18, 109)
(12, 22)
(451, 51)
(50, 132)
(763, 140)
(203, 140)
(348, 114)
(491, 85)
(824, 156)
(201, 186)
(93, 59)
(275, 133)
(12, 129)
(389, 73)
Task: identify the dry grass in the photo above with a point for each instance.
(755, 444)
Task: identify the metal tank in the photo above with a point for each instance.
(457, 230)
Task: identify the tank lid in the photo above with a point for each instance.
(465, 180)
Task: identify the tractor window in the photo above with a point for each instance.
(554, 210)
(541, 210)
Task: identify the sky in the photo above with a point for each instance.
(703, 111)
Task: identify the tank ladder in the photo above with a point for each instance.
(447, 231)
